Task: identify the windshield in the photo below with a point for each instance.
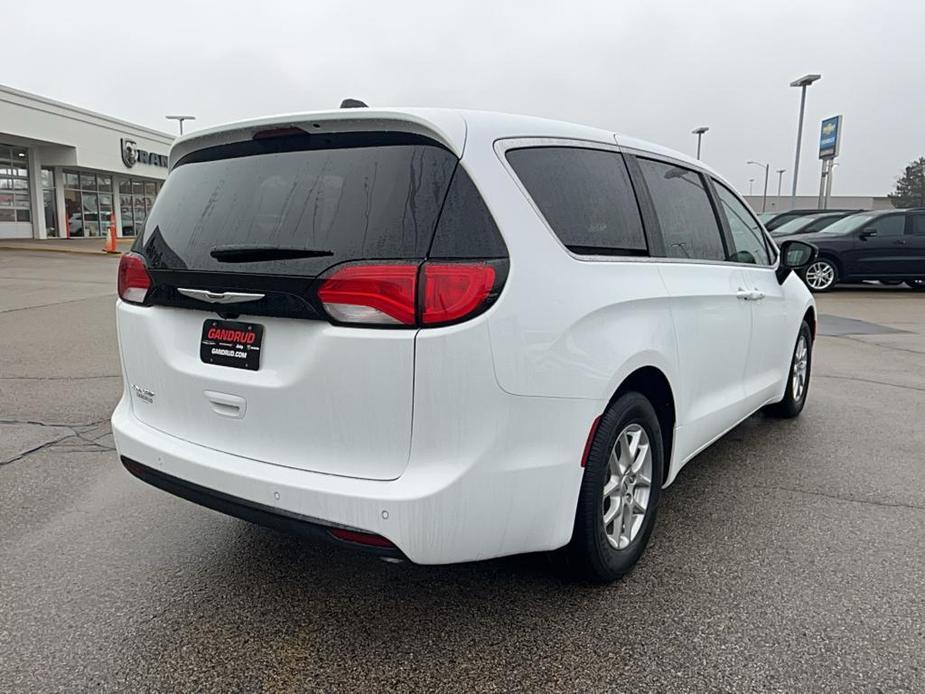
(794, 226)
(846, 224)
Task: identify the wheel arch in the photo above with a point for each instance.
(651, 382)
(810, 317)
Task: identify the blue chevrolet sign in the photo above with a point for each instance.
(830, 137)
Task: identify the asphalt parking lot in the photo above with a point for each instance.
(788, 557)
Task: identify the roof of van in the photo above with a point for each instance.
(451, 127)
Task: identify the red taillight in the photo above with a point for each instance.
(359, 538)
(594, 425)
(454, 290)
(387, 293)
(134, 281)
(379, 294)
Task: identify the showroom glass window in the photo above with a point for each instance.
(87, 203)
(49, 204)
(15, 205)
(135, 200)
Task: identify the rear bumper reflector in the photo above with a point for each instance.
(359, 538)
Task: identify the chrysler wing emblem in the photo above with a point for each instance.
(219, 297)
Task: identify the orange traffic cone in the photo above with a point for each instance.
(110, 246)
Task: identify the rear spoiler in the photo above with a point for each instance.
(445, 127)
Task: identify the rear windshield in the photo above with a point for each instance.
(377, 200)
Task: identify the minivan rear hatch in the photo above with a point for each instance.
(230, 349)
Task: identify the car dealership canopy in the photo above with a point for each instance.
(68, 172)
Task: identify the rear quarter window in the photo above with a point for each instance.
(466, 228)
(586, 197)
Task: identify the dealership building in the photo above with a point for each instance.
(66, 172)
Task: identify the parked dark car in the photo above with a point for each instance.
(772, 220)
(886, 245)
(809, 224)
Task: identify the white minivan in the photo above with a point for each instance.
(448, 336)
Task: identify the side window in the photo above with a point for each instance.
(820, 223)
(918, 224)
(888, 226)
(684, 212)
(586, 197)
(746, 231)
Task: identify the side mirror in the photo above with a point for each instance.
(795, 255)
(867, 233)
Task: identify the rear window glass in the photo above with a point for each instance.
(379, 201)
(586, 197)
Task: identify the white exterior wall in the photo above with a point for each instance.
(811, 202)
(60, 136)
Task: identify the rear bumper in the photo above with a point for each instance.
(278, 519)
(514, 492)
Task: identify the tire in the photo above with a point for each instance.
(821, 275)
(797, 390)
(596, 554)
(917, 285)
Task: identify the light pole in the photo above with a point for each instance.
(699, 133)
(180, 120)
(803, 83)
(750, 182)
(780, 182)
(764, 198)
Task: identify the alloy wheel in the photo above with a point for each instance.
(628, 486)
(800, 365)
(820, 275)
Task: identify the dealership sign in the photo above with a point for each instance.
(830, 137)
(131, 155)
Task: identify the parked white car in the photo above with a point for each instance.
(448, 336)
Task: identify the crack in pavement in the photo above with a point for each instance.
(52, 279)
(72, 431)
(59, 378)
(878, 344)
(55, 303)
(837, 497)
(69, 425)
(870, 380)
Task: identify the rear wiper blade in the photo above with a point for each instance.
(255, 254)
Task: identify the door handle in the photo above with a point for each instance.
(749, 295)
(900, 242)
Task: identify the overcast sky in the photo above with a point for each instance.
(652, 69)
